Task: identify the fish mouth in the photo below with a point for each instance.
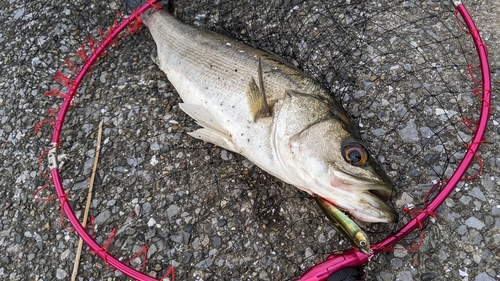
(377, 210)
(367, 207)
(379, 187)
(366, 199)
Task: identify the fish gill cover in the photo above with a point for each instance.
(402, 70)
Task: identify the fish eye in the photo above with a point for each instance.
(355, 154)
(362, 243)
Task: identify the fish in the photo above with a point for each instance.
(253, 102)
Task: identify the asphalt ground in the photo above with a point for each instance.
(398, 68)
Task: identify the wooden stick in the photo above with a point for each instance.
(89, 200)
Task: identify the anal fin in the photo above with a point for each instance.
(256, 97)
(155, 58)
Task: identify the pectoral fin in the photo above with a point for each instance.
(256, 97)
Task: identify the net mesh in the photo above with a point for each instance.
(399, 69)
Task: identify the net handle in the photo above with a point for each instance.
(354, 258)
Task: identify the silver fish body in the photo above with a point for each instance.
(254, 103)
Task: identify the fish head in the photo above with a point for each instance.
(322, 154)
